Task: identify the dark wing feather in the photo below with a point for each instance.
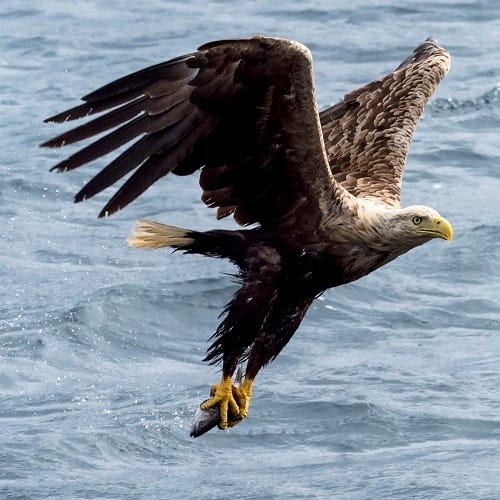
(146, 147)
(242, 111)
(158, 164)
(368, 134)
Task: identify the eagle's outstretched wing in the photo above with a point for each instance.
(244, 111)
(368, 134)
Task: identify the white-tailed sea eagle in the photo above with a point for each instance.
(322, 189)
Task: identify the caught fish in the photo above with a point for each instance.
(204, 420)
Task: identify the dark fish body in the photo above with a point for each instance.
(204, 420)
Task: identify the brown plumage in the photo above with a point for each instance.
(368, 134)
(322, 189)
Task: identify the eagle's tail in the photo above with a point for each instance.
(151, 235)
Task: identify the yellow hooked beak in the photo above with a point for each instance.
(438, 227)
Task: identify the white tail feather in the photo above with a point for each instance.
(149, 234)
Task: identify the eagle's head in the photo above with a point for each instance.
(418, 224)
(397, 230)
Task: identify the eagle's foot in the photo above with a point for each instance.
(233, 401)
(224, 396)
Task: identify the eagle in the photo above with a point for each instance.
(320, 191)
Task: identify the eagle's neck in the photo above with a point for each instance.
(376, 224)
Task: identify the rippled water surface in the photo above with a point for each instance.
(390, 389)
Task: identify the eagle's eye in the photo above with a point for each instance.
(416, 220)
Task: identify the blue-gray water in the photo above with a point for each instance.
(390, 389)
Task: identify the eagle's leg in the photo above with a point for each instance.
(225, 397)
(281, 323)
(243, 395)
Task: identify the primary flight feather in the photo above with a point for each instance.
(322, 189)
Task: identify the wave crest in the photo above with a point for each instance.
(489, 99)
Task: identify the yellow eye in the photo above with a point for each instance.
(416, 220)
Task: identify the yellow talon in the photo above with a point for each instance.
(233, 401)
(223, 397)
